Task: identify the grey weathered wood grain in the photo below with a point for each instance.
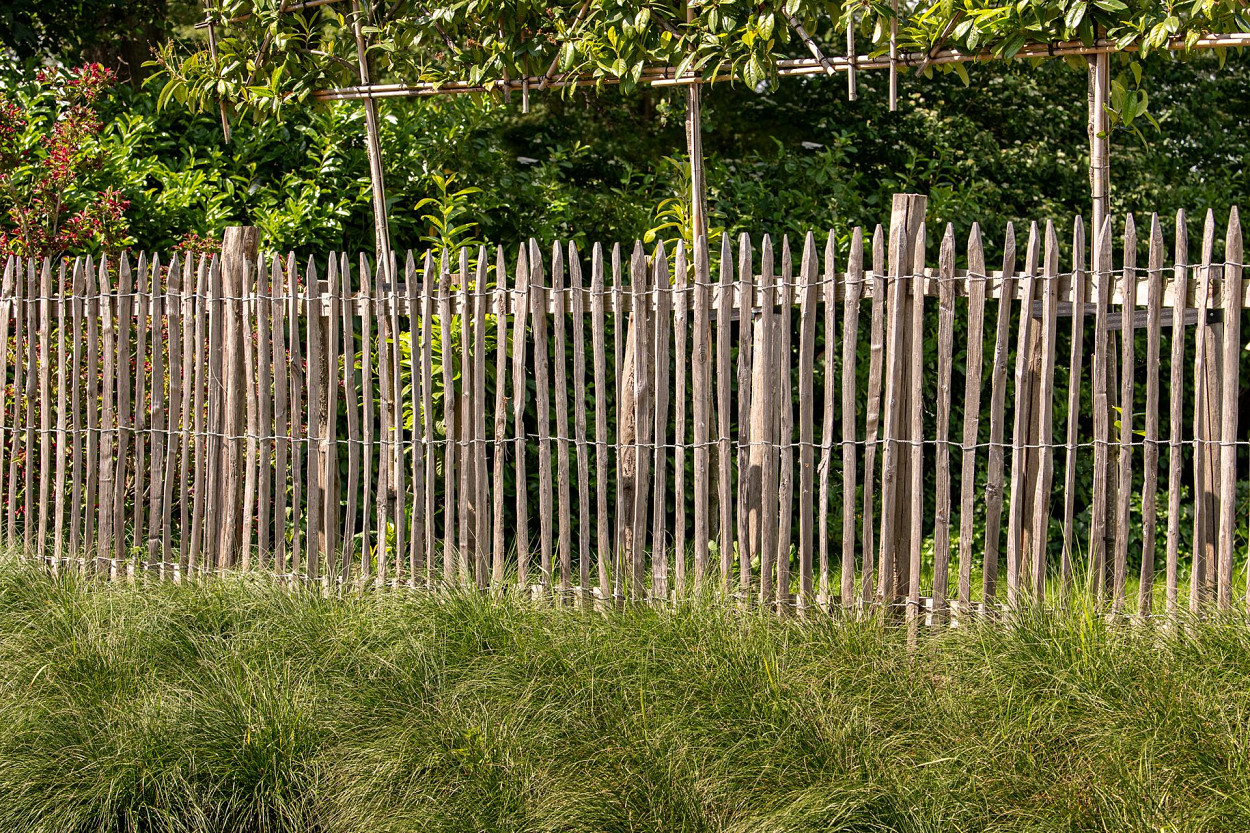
(850, 432)
(542, 402)
(1128, 292)
(945, 345)
(681, 303)
(661, 335)
(519, 387)
(1150, 447)
(578, 312)
(746, 340)
(998, 397)
(724, 415)
(1102, 412)
(1076, 377)
(1230, 387)
(807, 428)
(499, 542)
(561, 396)
(872, 413)
(700, 377)
(973, 362)
(1045, 416)
(1019, 433)
(598, 325)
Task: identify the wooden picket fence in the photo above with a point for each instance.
(444, 419)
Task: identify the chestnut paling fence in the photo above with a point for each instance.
(831, 432)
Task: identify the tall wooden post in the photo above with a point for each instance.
(238, 261)
(373, 147)
(1099, 137)
(905, 260)
(694, 146)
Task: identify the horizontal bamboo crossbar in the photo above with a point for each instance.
(792, 67)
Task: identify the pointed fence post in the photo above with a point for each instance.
(238, 261)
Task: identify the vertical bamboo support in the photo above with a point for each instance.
(1099, 137)
(373, 146)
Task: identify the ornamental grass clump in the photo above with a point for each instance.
(244, 707)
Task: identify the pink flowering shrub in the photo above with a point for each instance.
(48, 150)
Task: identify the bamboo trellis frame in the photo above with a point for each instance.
(818, 63)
